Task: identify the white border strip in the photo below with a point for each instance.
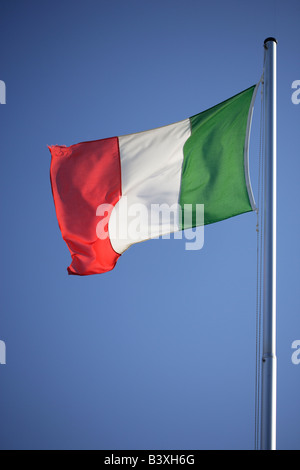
(246, 148)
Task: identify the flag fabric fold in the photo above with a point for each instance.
(114, 192)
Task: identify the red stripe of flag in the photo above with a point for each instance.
(83, 176)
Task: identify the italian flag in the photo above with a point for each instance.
(104, 188)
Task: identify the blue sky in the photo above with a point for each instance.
(160, 352)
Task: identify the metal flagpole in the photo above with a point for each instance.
(269, 361)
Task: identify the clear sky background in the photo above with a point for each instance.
(160, 352)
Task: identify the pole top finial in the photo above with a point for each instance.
(270, 39)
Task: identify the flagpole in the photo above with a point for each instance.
(269, 361)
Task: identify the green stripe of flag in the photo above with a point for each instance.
(213, 171)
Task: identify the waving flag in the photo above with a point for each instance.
(99, 186)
